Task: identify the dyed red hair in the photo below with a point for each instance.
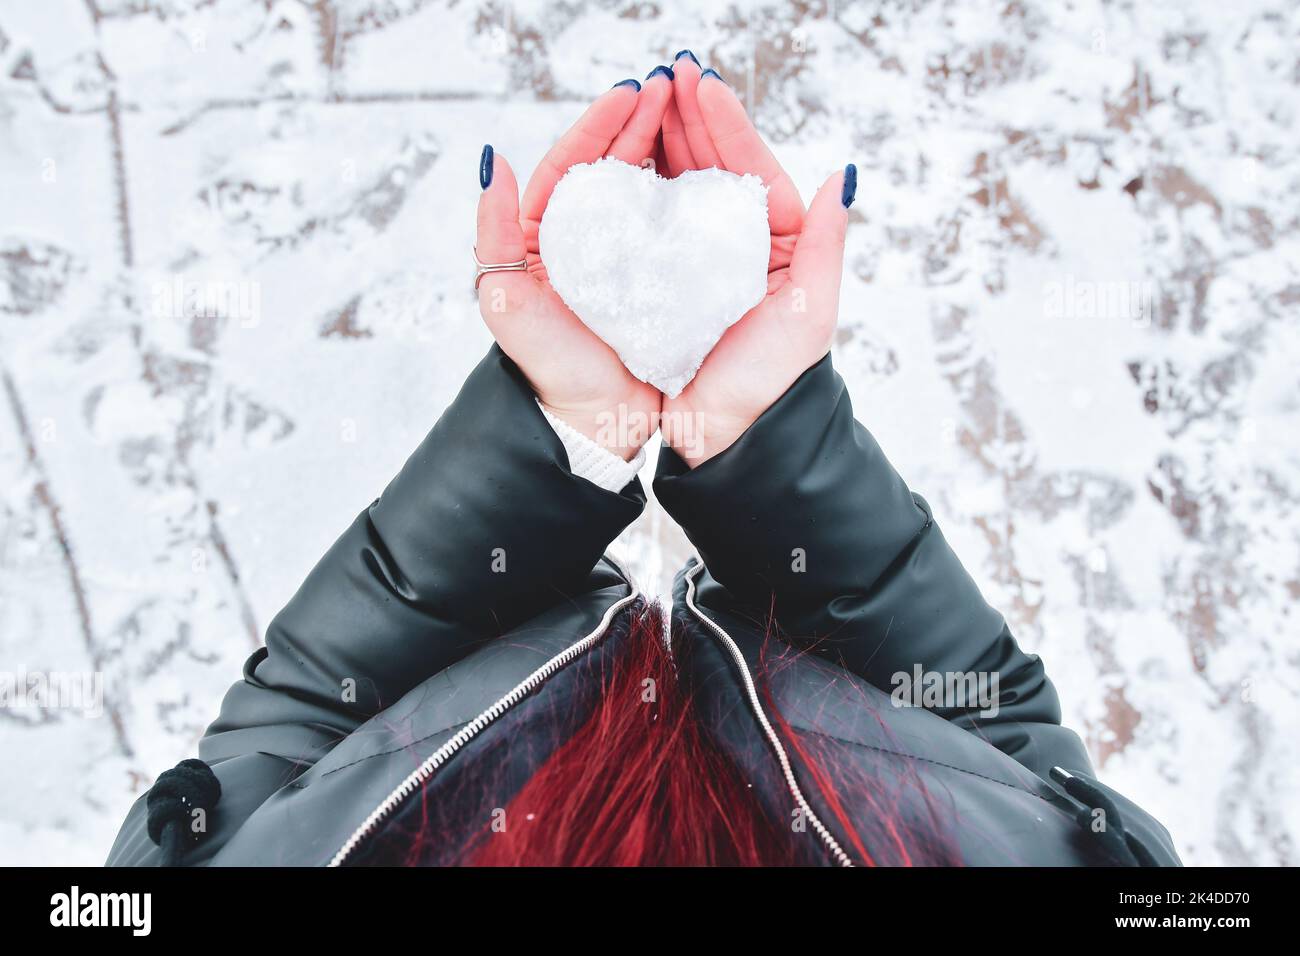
(640, 784)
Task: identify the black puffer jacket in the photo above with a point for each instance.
(410, 661)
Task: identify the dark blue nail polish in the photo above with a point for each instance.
(665, 70)
(713, 73)
(850, 190)
(686, 53)
(485, 167)
(632, 83)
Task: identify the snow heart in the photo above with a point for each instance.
(658, 268)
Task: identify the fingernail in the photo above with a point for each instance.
(665, 70)
(683, 53)
(850, 185)
(713, 73)
(485, 167)
(632, 83)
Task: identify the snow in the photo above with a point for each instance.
(658, 268)
(1127, 493)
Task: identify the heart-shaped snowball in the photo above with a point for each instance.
(658, 268)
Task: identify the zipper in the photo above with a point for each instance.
(439, 757)
(836, 851)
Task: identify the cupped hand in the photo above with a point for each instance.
(791, 329)
(576, 377)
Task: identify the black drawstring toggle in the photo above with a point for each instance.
(172, 801)
(1124, 848)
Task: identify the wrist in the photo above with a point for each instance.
(697, 436)
(621, 429)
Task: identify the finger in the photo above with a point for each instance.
(743, 151)
(818, 262)
(500, 237)
(677, 152)
(585, 142)
(661, 161)
(686, 80)
(638, 138)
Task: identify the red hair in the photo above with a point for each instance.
(902, 824)
(640, 784)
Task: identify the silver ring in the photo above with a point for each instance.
(483, 268)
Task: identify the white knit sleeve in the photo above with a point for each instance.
(589, 460)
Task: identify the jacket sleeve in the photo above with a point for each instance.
(804, 516)
(484, 528)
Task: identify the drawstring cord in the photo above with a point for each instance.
(1123, 847)
(172, 801)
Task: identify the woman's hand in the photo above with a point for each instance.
(577, 377)
(790, 330)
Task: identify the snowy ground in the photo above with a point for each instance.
(1070, 318)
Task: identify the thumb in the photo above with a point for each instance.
(818, 260)
(500, 236)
